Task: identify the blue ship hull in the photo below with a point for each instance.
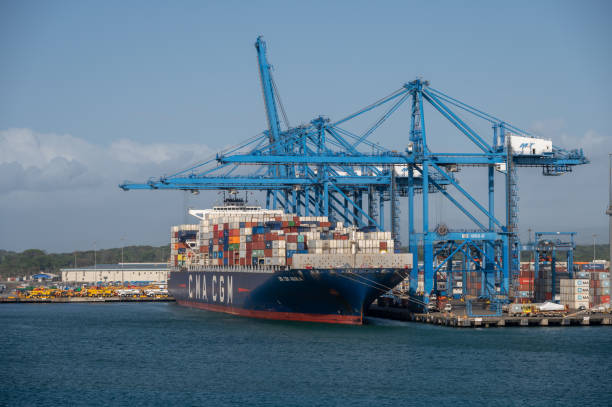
(321, 295)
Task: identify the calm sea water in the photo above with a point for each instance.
(163, 354)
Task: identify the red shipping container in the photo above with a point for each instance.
(292, 238)
(605, 299)
(242, 261)
(176, 235)
(215, 228)
(289, 261)
(268, 252)
(525, 280)
(285, 224)
(203, 249)
(249, 259)
(383, 245)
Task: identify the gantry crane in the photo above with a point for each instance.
(321, 168)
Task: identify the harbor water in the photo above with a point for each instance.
(164, 354)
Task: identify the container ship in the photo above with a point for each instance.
(262, 263)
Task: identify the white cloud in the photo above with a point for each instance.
(556, 129)
(41, 162)
(129, 151)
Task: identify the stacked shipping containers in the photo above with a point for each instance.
(268, 239)
(183, 240)
(599, 289)
(599, 282)
(543, 282)
(525, 290)
(575, 293)
(473, 283)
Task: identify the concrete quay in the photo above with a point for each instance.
(463, 321)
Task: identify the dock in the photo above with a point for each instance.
(465, 321)
(66, 300)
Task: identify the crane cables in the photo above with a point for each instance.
(280, 102)
(384, 289)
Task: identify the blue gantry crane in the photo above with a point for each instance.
(545, 248)
(323, 168)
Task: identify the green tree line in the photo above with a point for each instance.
(33, 261)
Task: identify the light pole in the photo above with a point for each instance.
(122, 244)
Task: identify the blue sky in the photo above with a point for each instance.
(97, 92)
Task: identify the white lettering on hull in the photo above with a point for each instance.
(204, 295)
(197, 285)
(230, 296)
(222, 288)
(214, 294)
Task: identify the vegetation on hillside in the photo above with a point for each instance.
(33, 261)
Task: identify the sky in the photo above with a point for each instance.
(95, 93)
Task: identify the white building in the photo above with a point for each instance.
(122, 272)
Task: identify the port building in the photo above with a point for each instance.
(121, 272)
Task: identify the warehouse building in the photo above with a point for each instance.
(122, 272)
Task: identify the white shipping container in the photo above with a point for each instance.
(574, 283)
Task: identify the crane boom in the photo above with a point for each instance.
(268, 90)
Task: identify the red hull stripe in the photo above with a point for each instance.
(284, 316)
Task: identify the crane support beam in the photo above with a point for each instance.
(468, 159)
